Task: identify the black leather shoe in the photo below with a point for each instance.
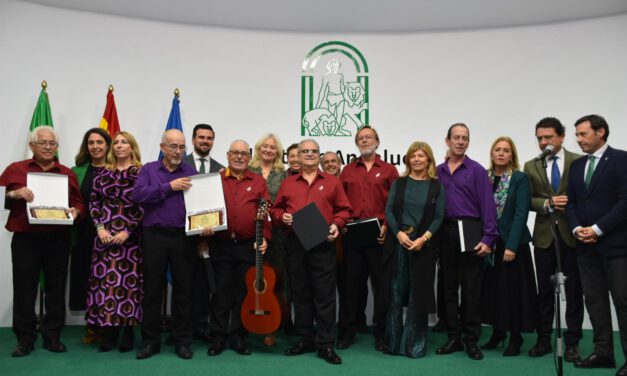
(497, 338)
(55, 346)
(378, 344)
(22, 349)
(301, 347)
(540, 348)
(513, 348)
(202, 335)
(147, 351)
(329, 356)
(622, 371)
(596, 361)
(572, 353)
(345, 341)
(473, 351)
(215, 348)
(242, 348)
(183, 351)
(453, 345)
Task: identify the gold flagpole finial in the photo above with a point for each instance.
(111, 88)
(44, 84)
(177, 92)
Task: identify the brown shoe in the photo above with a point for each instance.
(572, 353)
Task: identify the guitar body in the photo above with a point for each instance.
(261, 313)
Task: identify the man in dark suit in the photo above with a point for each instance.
(597, 203)
(551, 181)
(202, 140)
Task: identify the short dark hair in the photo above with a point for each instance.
(551, 122)
(596, 122)
(450, 129)
(202, 126)
(292, 146)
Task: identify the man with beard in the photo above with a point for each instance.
(367, 181)
(312, 272)
(202, 139)
(159, 190)
(469, 198)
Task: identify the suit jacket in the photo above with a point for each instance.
(538, 180)
(512, 224)
(604, 203)
(214, 166)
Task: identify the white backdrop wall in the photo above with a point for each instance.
(246, 83)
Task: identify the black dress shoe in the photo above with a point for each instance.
(622, 371)
(183, 351)
(473, 351)
(329, 356)
(513, 348)
(216, 348)
(540, 348)
(378, 344)
(55, 346)
(241, 348)
(301, 347)
(22, 349)
(147, 351)
(345, 341)
(497, 338)
(596, 361)
(453, 345)
(202, 335)
(572, 353)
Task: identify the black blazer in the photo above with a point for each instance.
(214, 166)
(604, 203)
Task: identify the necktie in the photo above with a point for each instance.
(591, 159)
(202, 166)
(555, 175)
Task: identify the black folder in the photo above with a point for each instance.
(310, 226)
(470, 234)
(362, 233)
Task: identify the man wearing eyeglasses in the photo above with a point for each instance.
(312, 272)
(37, 248)
(159, 190)
(366, 181)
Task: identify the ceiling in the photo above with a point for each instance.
(351, 16)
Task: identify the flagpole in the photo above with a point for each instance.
(40, 317)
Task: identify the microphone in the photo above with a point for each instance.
(548, 150)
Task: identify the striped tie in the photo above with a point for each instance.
(591, 159)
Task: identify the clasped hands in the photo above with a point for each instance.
(586, 235)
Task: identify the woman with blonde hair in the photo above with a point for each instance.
(115, 295)
(414, 213)
(509, 300)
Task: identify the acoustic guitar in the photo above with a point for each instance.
(261, 313)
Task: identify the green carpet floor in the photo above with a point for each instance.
(359, 360)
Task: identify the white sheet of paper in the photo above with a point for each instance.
(48, 189)
(462, 242)
(206, 193)
(3, 197)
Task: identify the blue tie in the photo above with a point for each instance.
(555, 175)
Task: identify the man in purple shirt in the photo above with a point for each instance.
(469, 199)
(159, 190)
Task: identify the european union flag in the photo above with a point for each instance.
(174, 121)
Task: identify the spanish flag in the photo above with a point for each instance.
(109, 120)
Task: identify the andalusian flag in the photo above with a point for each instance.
(174, 121)
(109, 120)
(41, 116)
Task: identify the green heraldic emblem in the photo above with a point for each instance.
(334, 85)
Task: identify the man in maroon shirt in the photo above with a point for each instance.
(37, 248)
(232, 251)
(366, 181)
(312, 272)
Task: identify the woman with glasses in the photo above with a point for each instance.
(115, 295)
(90, 161)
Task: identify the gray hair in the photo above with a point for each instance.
(337, 157)
(165, 134)
(34, 134)
(300, 144)
(239, 141)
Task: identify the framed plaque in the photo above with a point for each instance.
(204, 204)
(50, 205)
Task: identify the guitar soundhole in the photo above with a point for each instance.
(260, 286)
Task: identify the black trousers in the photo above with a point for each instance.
(600, 275)
(362, 263)
(201, 296)
(162, 247)
(231, 260)
(31, 254)
(546, 266)
(466, 270)
(312, 278)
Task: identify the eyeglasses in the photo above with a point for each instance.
(237, 153)
(365, 138)
(175, 147)
(309, 151)
(43, 144)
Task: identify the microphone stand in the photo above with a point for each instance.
(558, 279)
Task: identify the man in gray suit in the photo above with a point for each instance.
(552, 181)
(202, 139)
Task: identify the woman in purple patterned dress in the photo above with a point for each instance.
(115, 285)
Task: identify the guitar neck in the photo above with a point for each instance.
(258, 254)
